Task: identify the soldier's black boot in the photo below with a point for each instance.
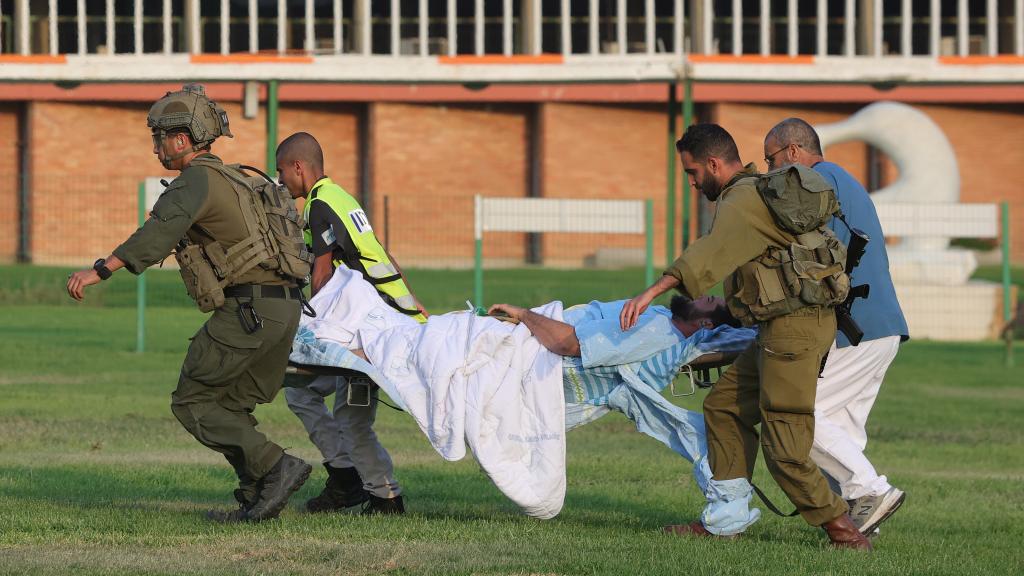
(240, 514)
(344, 489)
(378, 505)
(287, 476)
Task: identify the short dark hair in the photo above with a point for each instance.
(301, 146)
(682, 307)
(705, 140)
(796, 131)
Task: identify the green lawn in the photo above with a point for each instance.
(96, 476)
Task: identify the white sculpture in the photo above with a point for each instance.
(929, 275)
(928, 174)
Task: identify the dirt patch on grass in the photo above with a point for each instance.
(60, 379)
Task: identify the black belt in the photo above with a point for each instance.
(263, 291)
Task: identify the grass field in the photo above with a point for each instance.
(96, 476)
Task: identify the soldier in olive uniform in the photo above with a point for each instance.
(238, 358)
(773, 382)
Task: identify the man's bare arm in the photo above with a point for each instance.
(632, 310)
(79, 280)
(558, 337)
(323, 268)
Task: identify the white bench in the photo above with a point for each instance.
(932, 280)
(562, 215)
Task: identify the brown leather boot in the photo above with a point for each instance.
(695, 529)
(843, 534)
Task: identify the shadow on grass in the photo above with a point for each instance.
(458, 496)
(105, 486)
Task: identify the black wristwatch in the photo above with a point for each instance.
(100, 266)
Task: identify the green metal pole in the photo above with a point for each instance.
(1007, 301)
(649, 232)
(272, 127)
(140, 284)
(687, 120)
(478, 251)
(670, 188)
(478, 273)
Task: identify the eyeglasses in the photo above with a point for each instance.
(159, 137)
(770, 159)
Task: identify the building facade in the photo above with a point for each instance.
(421, 105)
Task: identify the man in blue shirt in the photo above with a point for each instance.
(853, 375)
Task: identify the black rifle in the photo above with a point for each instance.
(844, 321)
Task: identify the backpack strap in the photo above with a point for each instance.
(257, 247)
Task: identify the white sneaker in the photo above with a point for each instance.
(868, 512)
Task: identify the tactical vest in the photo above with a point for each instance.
(274, 239)
(371, 260)
(808, 272)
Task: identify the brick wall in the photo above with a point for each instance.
(9, 182)
(430, 160)
(88, 158)
(607, 152)
(336, 128)
(86, 162)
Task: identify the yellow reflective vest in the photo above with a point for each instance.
(372, 260)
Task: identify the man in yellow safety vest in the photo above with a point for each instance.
(339, 234)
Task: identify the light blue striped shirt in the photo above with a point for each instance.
(654, 349)
(626, 372)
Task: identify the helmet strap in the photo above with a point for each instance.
(168, 158)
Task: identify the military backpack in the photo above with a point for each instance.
(808, 272)
(274, 243)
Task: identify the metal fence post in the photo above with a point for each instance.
(272, 128)
(387, 222)
(687, 120)
(140, 284)
(670, 177)
(649, 233)
(478, 253)
(1004, 208)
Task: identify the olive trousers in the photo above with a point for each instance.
(227, 372)
(773, 383)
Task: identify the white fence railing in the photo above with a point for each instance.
(560, 215)
(649, 34)
(508, 27)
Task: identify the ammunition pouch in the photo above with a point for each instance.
(200, 276)
(810, 272)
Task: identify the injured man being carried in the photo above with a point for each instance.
(511, 390)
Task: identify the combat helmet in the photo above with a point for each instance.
(191, 110)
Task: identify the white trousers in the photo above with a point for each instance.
(846, 392)
(345, 435)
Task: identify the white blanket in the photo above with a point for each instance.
(465, 380)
